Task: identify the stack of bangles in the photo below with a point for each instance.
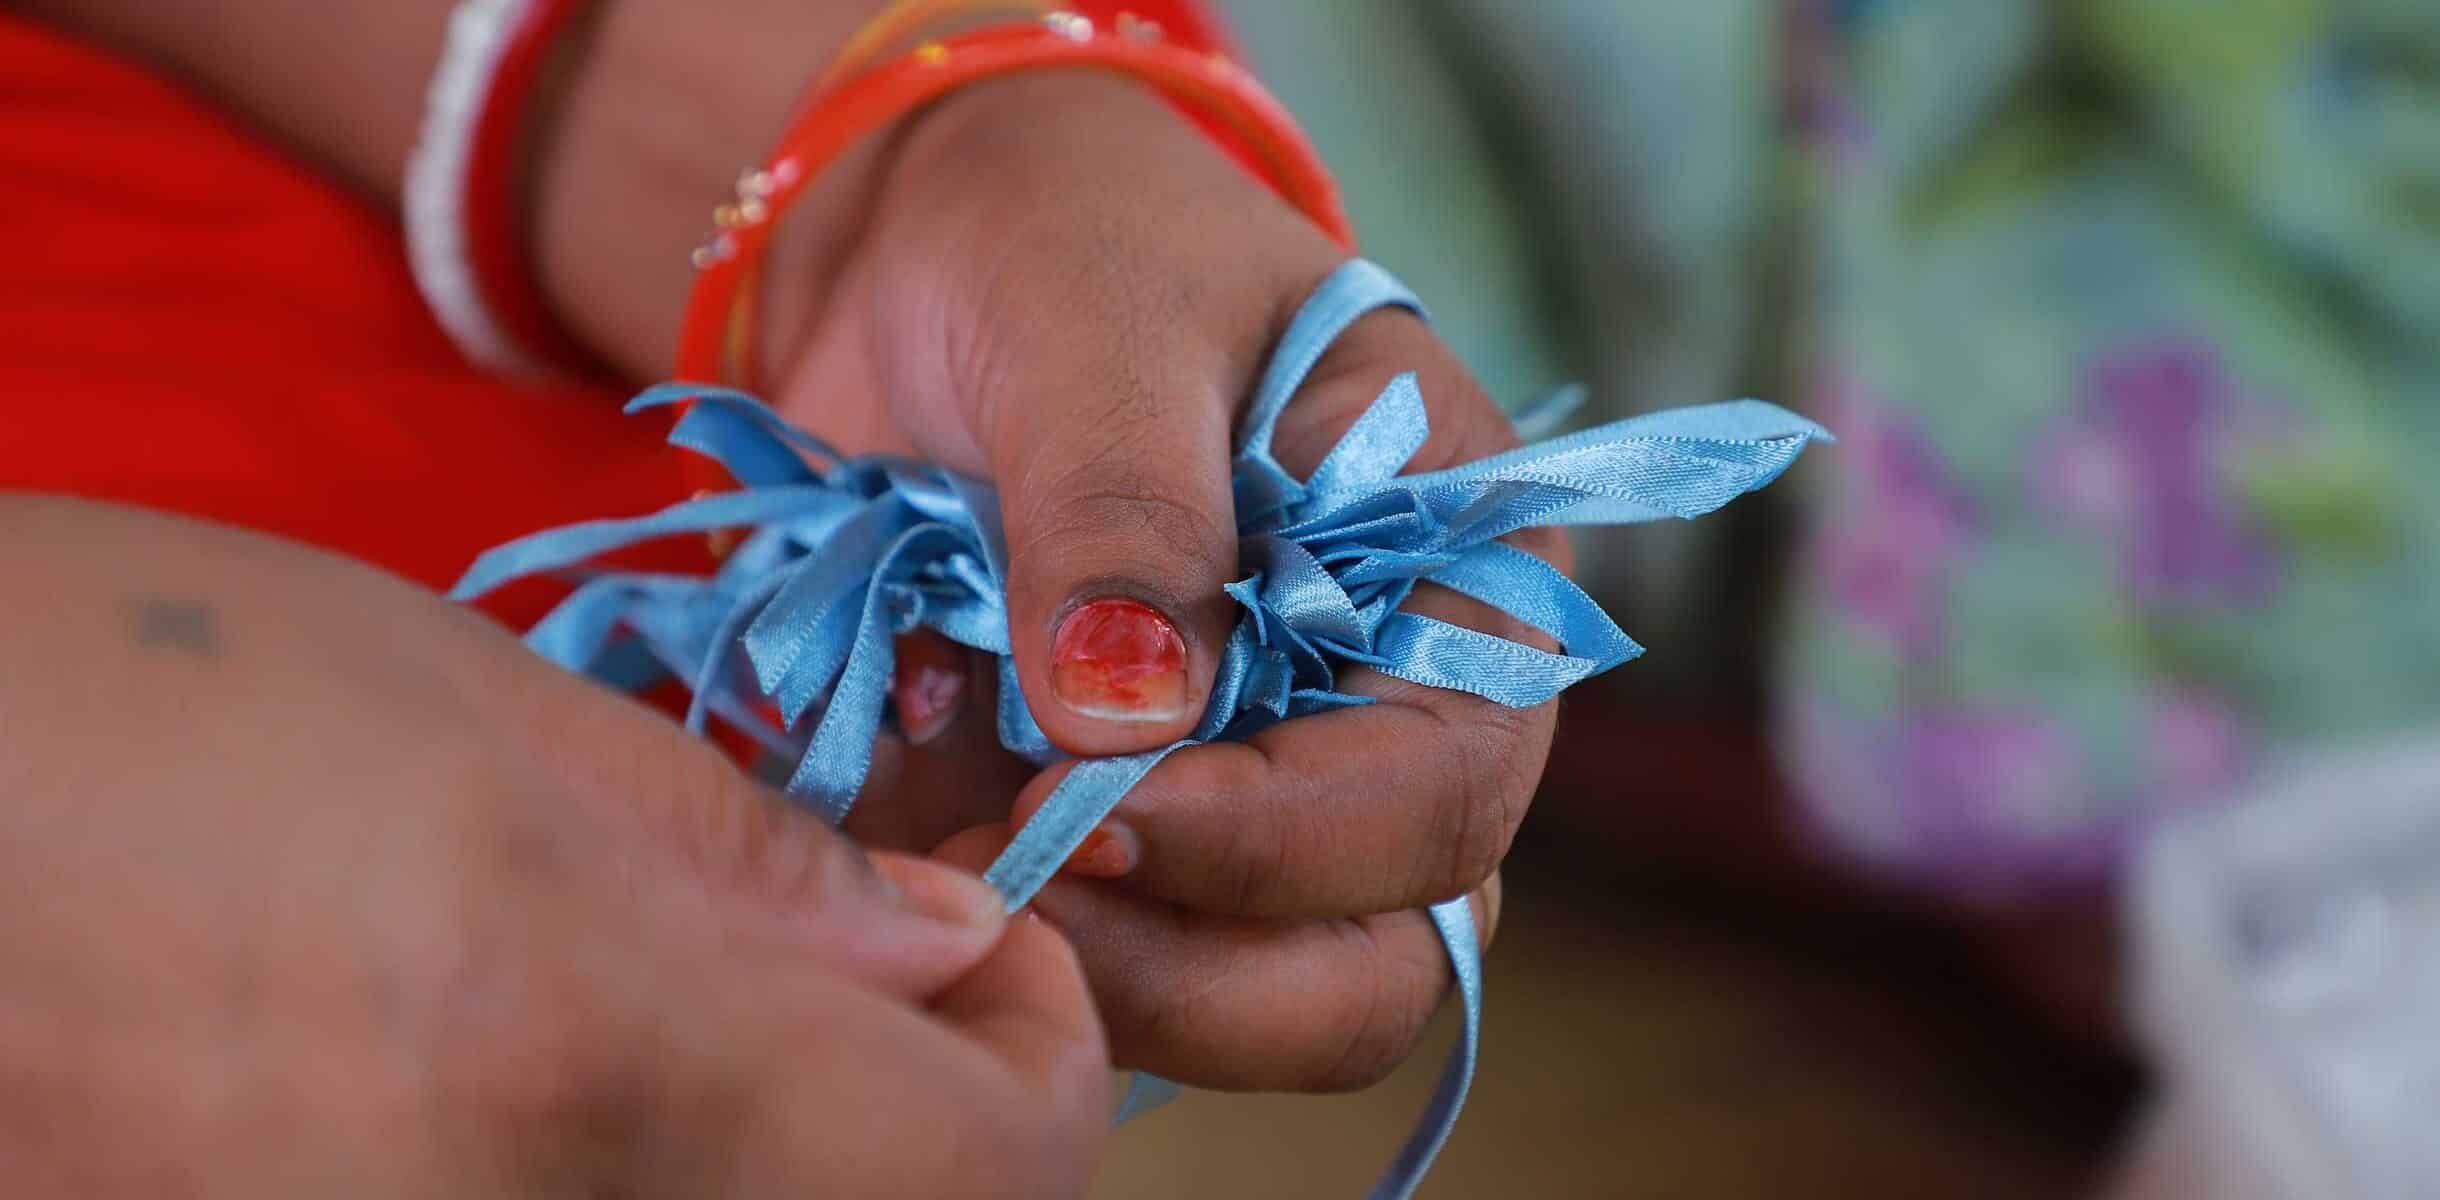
(470, 259)
(714, 340)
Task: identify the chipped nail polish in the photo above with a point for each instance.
(928, 685)
(1106, 853)
(1119, 660)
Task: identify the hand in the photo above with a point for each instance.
(1063, 288)
(1056, 283)
(310, 883)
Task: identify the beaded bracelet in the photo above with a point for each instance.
(459, 200)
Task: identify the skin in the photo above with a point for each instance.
(311, 884)
(1054, 283)
(1083, 330)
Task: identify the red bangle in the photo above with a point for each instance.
(711, 344)
(495, 237)
(1188, 23)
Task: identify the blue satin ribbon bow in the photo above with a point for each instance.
(845, 553)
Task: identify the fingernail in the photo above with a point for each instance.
(1108, 852)
(929, 684)
(941, 892)
(1119, 660)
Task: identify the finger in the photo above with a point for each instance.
(1028, 1003)
(1466, 423)
(783, 1083)
(1115, 497)
(959, 776)
(928, 685)
(1245, 1004)
(1106, 360)
(1401, 803)
(1398, 804)
(1408, 801)
(712, 855)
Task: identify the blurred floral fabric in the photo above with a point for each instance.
(2127, 311)
(2126, 307)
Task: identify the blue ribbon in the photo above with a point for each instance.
(846, 553)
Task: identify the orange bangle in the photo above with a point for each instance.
(711, 346)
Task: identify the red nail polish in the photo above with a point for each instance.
(1120, 660)
(1103, 854)
(929, 681)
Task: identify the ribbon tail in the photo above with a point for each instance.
(1455, 921)
(569, 545)
(1145, 1092)
(1092, 788)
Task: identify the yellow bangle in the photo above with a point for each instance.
(901, 24)
(907, 22)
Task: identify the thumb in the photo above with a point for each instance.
(1112, 455)
(1094, 283)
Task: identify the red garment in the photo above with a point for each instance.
(195, 323)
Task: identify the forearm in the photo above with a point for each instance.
(642, 132)
(342, 81)
(671, 101)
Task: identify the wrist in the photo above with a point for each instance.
(655, 120)
(996, 193)
(664, 120)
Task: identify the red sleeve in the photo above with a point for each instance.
(196, 323)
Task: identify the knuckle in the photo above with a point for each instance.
(1086, 295)
(1493, 767)
(771, 853)
(502, 985)
(731, 838)
(1150, 1013)
(1111, 495)
(1259, 860)
(1401, 990)
(1274, 836)
(1466, 423)
(525, 1058)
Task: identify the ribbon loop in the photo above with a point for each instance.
(1354, 290)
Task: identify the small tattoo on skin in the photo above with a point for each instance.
(177, 623)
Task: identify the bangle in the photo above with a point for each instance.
(714, 337)
(902, 22)
(459, 201)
